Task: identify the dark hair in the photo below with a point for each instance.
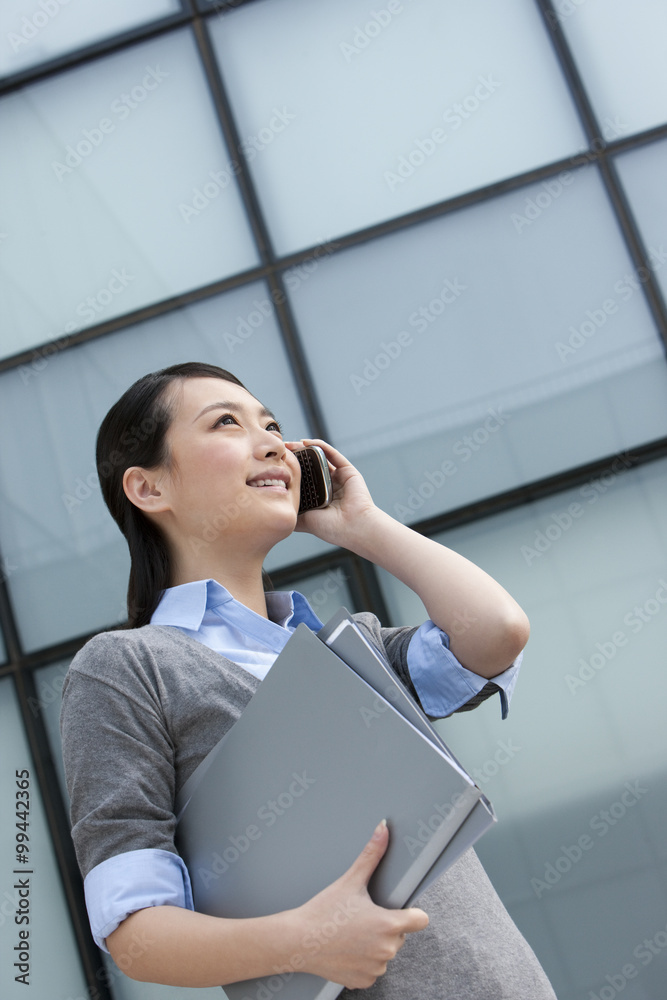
(134, 433)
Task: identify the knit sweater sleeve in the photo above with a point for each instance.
(118, 755)
(395, 643)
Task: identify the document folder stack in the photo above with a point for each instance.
(331, 743)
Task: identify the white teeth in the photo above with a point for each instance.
(268, 482)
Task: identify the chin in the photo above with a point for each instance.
(283, 525)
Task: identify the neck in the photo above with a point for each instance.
(242, 578)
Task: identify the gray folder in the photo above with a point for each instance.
(287, 800)
(342, 634)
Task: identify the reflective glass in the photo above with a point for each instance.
(619, 47)
(577, 772)
(35, 31)
(33, 910)
(49, 683)
(497, 345)
(642, 173)
(122, 192)
(360, 115)
(124, 988)
(71, 560)
(325, 592)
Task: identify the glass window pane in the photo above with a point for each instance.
(586, 725)
(325, 592)
(71, 559)
(124, 988)
(359, 115)
(33, 33)
(52, 949)
(619, 46)
(122, 192)
(49, 683)
(495, 346)
(642, 173)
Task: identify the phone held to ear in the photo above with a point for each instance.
(316, 490)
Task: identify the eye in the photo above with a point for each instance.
(226, 418)
(274, 426)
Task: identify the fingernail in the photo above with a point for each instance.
(379, 829)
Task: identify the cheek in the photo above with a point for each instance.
(205, 476)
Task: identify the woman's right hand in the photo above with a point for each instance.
(349, 939)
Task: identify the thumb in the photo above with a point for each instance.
(365, 864)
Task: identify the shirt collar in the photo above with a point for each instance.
(185, 606)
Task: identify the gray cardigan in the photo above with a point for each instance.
(142, 708)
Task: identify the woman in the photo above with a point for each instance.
(196, 473)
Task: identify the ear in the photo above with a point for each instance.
(142, 490)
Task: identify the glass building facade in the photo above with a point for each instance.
(434, 234)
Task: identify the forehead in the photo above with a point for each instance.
(193, 394)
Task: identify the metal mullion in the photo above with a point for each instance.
(366, 590)
(47, 780)
(487, 507)
(635, 246)
(539, 489)
(59, 831)
(637, 140)
(56, 817)
(88, 53)
(298, 362)
(570, 71)
(286, 322)
(435, 210)
(286, 575)
(141, 315)
(222, 7)
(361, 578)
(278, 266)
(8, 624)
(624, 217)
(233, 142)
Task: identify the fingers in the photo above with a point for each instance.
(416, 919)
(367, 936)
(334, 456)
(367, 861)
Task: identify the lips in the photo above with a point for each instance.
(268, 482)
(276, 478)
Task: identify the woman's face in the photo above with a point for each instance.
(231, 475)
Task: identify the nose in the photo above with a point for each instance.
(270, 446)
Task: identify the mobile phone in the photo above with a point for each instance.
(316, 490)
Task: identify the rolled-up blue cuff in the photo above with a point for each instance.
(132, 881)
(442, 683)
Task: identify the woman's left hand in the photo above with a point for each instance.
(351, 502)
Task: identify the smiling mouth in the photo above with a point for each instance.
(258, 483)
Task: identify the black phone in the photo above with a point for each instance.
(316, 490)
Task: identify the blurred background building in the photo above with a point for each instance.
(433, 232)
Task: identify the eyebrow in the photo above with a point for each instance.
(235, 408)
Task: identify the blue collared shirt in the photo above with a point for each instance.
(207, 612)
